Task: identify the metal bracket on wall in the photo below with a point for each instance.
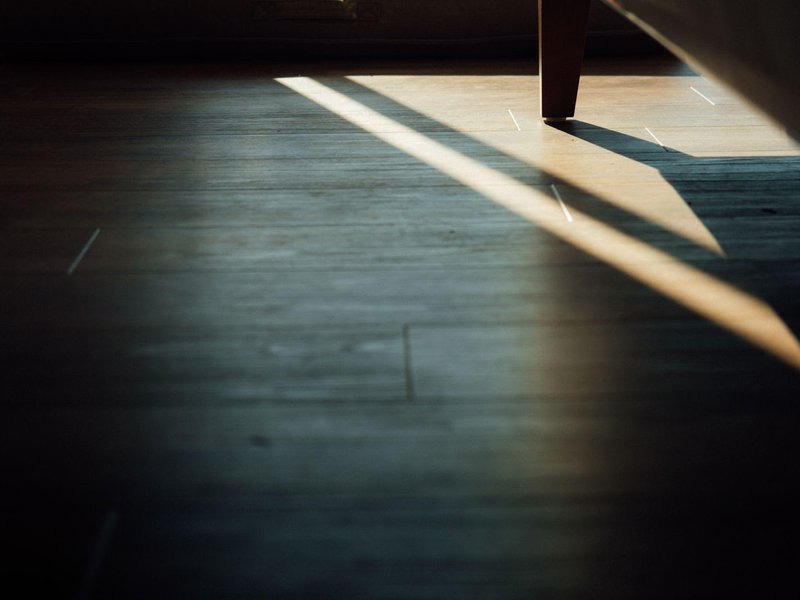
(315, 10)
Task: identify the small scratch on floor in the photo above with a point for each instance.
(513, 118)
(83, 252)
(658, 141)
(564, 209)
(703, 96)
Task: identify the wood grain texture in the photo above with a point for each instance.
(299, 362)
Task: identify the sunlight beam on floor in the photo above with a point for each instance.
(535, 147)
(718, 301)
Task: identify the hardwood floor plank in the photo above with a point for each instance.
(549, 553)
(190, 175)
(386, 172)
(523, 360)
(498, 449)
(389, 247)
(275, 209)
(320, 298)
(191, 368)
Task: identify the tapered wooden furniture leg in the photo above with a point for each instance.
(562, 39)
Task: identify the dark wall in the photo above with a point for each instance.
(344, 22)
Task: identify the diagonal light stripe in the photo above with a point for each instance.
(718, 301)
(667, 210)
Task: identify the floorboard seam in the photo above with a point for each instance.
(408, 363)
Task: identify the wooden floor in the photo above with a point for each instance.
(373, 331)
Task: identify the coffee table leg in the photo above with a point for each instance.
(562, 39)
